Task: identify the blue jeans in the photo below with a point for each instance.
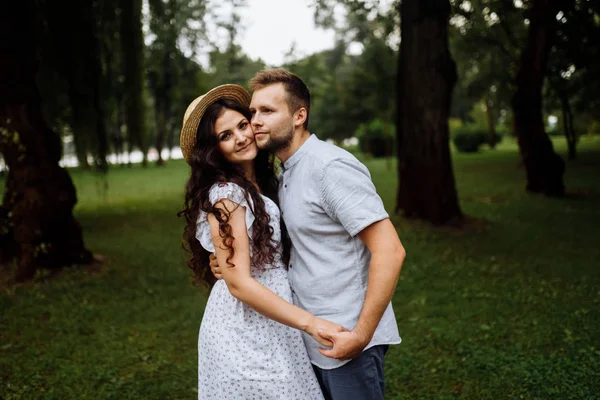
(360, 379)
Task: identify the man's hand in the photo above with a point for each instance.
(346, 345)
(318, 325)
(214, 267)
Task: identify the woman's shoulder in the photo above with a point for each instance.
(227, 190)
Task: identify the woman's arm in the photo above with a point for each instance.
(242, 286)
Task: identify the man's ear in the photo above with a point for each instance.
(300, 116)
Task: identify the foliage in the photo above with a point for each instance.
(487, 38)
(233, 66)
(483, 313)
(376, 138)
(470, 136)
(228, 63)
(349, 88)
(469, 140)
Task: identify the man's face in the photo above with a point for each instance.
(272, 119)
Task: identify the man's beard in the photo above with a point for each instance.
(280, 142)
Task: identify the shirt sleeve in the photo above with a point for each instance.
(218, 192)
(349, 196)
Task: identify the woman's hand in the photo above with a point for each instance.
(214, 266)
(319, 324)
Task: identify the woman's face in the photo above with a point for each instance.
(235, 137)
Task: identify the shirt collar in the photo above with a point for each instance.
(306, 146)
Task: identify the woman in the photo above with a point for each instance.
(247, 347)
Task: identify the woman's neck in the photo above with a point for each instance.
(250, 172)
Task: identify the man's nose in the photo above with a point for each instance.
(256, 121)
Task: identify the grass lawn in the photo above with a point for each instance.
(507, 309)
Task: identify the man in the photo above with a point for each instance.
(346, 255)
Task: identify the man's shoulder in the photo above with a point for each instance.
(324, 153)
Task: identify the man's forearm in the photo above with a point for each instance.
(384, 271)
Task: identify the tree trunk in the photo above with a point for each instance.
(79, 138)
(81, 55)
(544, 168)
(121, 141)
(161, 128)
(37, 226)
(163, 92)
(572, 138)
(491, 125)
(426, 77)
(132, 42)
(170, 139)
(2, 167)
(569, 129)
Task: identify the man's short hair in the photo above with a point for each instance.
(298, 95)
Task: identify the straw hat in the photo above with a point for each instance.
(198, 107)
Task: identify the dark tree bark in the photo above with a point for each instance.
(426, 78)
(544, 168)
(132, 42)
(37, 226)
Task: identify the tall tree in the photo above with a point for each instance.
(162, 72)
(132, 42)
(426, 75)
(112, 87)
(426, 78)
(485, 39)
(573, 68)
(37, 226)
(71, 70)
(544, 168)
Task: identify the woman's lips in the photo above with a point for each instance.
(245, 148)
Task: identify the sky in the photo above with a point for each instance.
(269, 27)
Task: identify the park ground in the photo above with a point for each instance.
(506, 308)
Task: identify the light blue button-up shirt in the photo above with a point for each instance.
(327, 197)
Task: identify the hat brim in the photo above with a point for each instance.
(197, 108)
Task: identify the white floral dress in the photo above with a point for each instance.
(241, 353)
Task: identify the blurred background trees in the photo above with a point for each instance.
(107, 81)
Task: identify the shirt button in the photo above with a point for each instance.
(290, 265)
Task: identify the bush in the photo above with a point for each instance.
(502, 132)
(499, 137)
(469, 140)
(376, 138)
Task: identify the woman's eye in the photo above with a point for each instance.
(243, 125)
(225, 136)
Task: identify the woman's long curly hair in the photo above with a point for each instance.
(209, 166)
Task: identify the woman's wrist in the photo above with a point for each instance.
(307, 322)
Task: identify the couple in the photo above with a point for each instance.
(330, 275)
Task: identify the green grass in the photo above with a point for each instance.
(506, 309)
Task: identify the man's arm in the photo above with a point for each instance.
(387, 256)
(242, 286)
